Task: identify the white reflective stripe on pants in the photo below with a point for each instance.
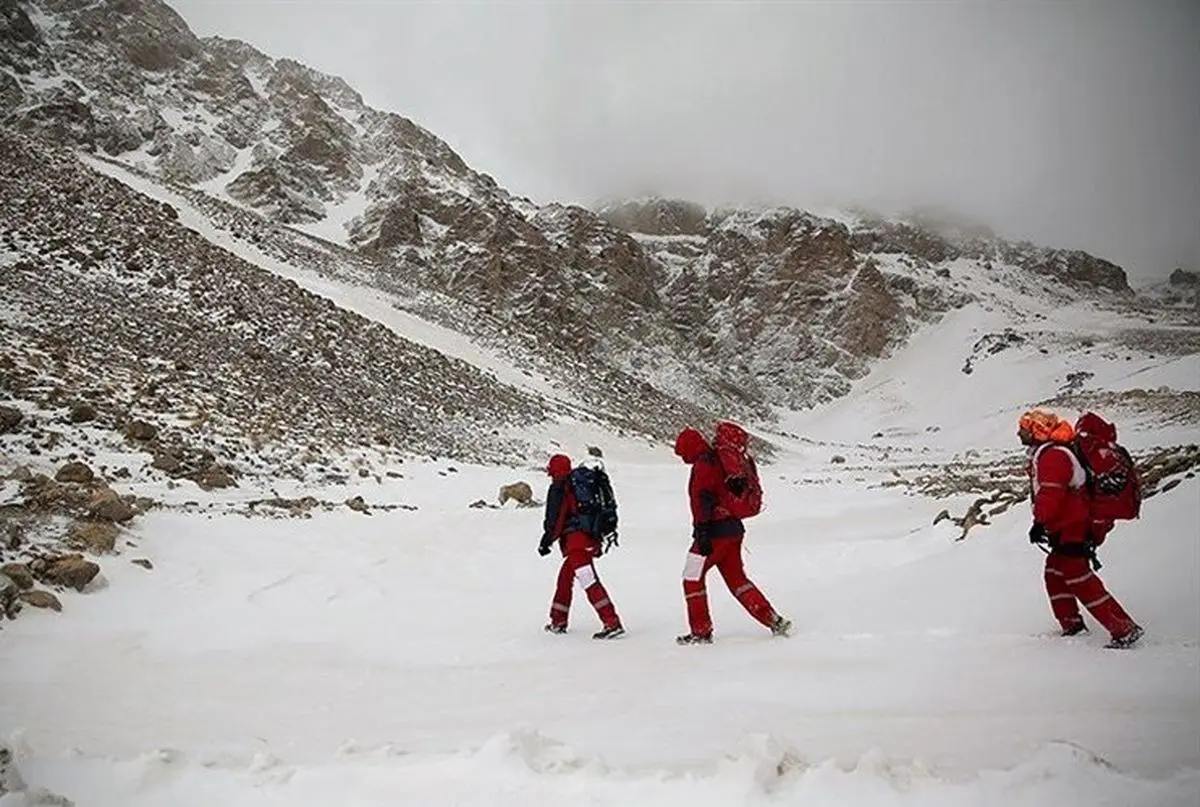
(693, 568)
(586, 576)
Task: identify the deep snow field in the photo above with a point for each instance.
(398, 657)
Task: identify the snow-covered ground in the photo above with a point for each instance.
(398, 657)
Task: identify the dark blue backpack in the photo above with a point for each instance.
(596, 504)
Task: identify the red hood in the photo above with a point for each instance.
(559, 466)
(1096, 426)
(690, 445)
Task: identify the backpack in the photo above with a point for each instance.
(596, 504)
(741, 495)
(1113, 484)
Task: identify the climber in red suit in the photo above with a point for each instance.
(716, 541)
(579, 550)
(1061, 520)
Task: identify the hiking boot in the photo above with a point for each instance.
(1126, 641)
(694, 638)
(1076, 629)
(611, 632)
(556, 628)
(780, 626)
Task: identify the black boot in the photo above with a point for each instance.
(694, 638)
(1126, 641)
(611, 632)
(1076, 629)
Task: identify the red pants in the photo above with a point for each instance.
(577, 566)
(727, 557)
(1070, 581)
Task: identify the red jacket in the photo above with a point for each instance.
(1060, 502)
(709, 519)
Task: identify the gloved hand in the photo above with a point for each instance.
(704, 546)
(702, 537)
(543, 549)
(1037, 534)
(736, 485)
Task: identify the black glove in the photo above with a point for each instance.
(1037, 534)
(543, 549)
(704, 546)
(736, 485)
(702, 536)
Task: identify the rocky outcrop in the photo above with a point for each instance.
(1183, 279)
(10, 418)
(657, 217)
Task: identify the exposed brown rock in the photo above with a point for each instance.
(10, 418)
(71, 571)
(166, 462)
(77, 472)
(140, 430)
(520, 492)
(39, 598)
(214, 477)
(94, 536)
(19, 573)
(107, 505)
(82, 412)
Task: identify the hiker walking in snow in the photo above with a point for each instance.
(717, 539)
(579, 540)
(1064, 520)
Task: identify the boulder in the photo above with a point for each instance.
(75, 472)
(106, 505)
(41, 599)
(19, 573)
(10, 419)
(517, 491)
(97, 537)
(71, 571)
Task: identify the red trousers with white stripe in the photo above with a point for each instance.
(1070, 581)
(577, 566)
(727, 558)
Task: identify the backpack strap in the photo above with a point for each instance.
(1079, 474)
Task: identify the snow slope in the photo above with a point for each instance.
(399, 656)
(372, 303)
(920, 397)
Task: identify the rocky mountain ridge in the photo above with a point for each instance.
(728, 311)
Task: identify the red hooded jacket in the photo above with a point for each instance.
(1059, 498)
(709, 519)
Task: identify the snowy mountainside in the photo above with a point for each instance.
(201, 323)
(730, 311)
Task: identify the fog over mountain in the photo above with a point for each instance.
(1071, 124)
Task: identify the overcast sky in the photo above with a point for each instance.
(1075, 124)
